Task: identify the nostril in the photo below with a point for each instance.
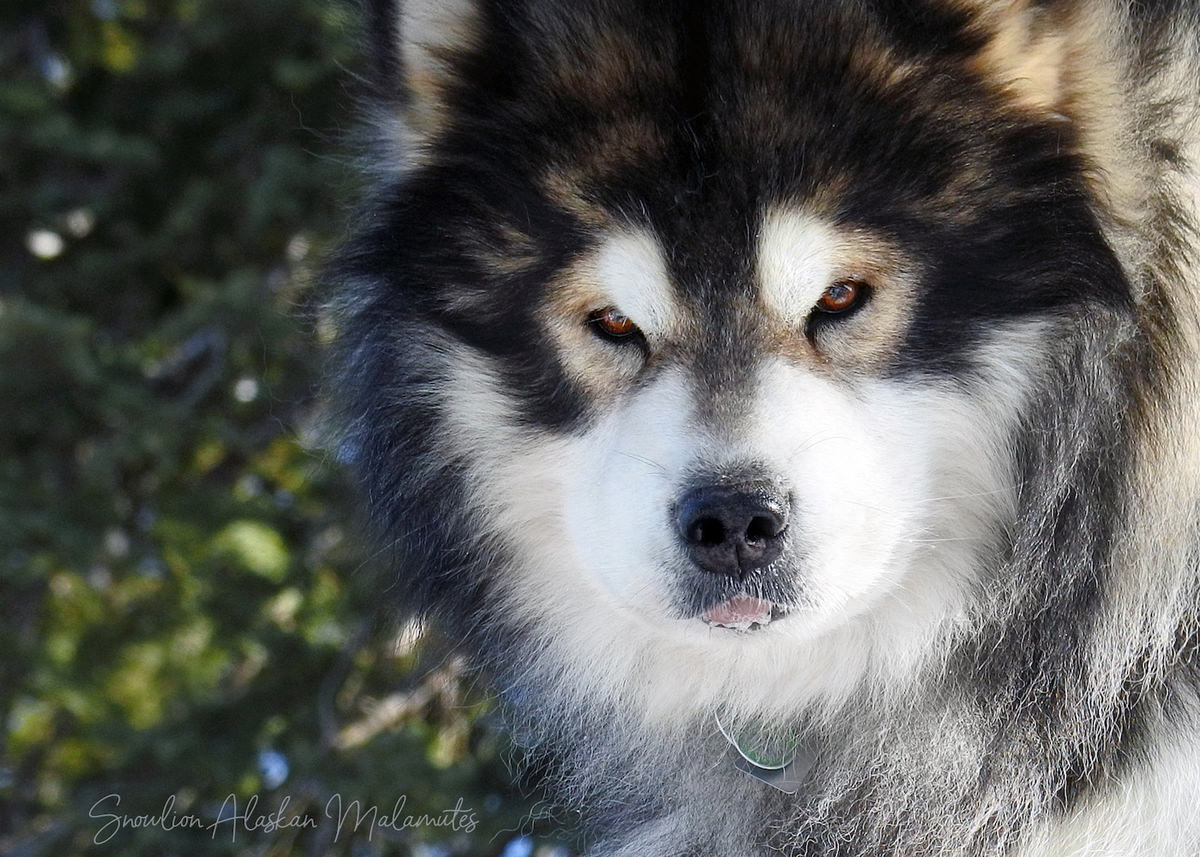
(763, 528)
(708, 532)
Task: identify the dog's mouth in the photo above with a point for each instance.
(742, 613)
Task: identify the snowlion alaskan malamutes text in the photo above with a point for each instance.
(792, 407)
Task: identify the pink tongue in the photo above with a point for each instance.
(740, 611)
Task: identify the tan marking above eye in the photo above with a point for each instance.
(842, 296)
(611, 323)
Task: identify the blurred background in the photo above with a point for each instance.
(195, 652)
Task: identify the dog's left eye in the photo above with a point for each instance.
(838, 302)
(842, 297)
(611, 324)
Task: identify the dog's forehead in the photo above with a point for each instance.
(696, 126)
(732, 141)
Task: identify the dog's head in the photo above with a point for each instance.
(704, 332)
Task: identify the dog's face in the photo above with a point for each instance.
(745, 460)
(727, 318)
(745, 457)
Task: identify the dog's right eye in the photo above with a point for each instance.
(611, 324)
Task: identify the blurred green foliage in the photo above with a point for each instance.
(185, 613)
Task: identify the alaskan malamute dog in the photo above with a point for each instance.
(792, 405)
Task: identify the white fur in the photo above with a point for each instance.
(797, 261)
(1150, 812)
(426, 27)
(630, 270)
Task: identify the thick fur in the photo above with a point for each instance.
(990, 580)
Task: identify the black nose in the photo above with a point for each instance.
(733, 529)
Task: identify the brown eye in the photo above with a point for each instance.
(611, 323)
(842, 296)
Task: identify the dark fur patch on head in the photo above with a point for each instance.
(692, 119)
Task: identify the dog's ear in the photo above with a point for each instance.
(1062, 60)
(1038, 51)
(413, 46)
